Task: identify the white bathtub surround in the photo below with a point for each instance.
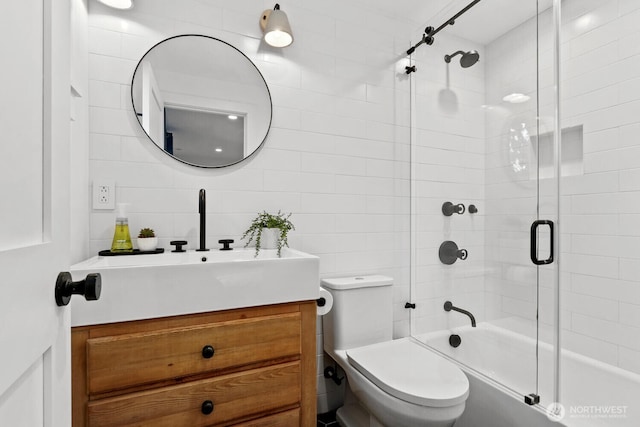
(507, 361)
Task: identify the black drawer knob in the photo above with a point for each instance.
(207, 352)
(207, 407)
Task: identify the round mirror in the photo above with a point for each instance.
(201, 100)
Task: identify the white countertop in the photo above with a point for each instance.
(138, 287)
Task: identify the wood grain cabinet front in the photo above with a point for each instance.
(245, 367)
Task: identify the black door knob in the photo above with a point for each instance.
(90, 287)
(207, 351)
(207, 407)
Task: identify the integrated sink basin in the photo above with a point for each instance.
(138, 287)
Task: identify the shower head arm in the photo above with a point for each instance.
(447, 58)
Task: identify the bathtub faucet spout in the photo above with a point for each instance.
(448, 306)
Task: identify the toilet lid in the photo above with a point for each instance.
(411, 372)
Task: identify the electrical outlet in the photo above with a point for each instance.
(104, 195)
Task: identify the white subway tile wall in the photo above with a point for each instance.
(600, 208)
(602, 295)
(337, 155)
(448, 165)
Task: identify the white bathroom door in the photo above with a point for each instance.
(35, 359)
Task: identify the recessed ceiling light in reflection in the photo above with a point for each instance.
(584, 21)
(232, 117)
(218, 150)
(516, 98)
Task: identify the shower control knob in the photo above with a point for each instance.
(449, 252)
(473, 209)
(449, 208)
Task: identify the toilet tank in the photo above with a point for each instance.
(362, 312)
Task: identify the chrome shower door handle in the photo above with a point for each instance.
(534, 242)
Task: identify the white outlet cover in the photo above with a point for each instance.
(104, 195)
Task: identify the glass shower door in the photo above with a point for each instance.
(483, 135)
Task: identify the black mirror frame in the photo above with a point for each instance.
(241, 53)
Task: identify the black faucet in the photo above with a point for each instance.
(202, 210)
(448, 306)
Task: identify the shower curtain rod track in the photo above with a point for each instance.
(429, 32)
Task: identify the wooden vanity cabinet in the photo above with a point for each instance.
(251, 367)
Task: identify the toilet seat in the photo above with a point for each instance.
(410, 372)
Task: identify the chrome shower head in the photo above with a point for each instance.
(466, 60)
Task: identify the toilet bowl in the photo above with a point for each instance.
(392, 383)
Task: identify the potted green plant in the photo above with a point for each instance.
(147, 240)
(269, 231)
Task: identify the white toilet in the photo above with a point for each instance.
(391, 383)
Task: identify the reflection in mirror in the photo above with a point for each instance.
(201, 101)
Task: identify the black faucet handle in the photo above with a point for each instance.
(225, 244)
(178, 244)
(449, 208)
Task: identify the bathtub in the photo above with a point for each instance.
(501, 365)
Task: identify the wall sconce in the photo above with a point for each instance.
(118, 4)
(276, 28)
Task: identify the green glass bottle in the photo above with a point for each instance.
(121, 237)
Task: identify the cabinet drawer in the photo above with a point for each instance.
(234, 396)
(283, 419)
(118, 362)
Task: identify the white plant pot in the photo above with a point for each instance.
(146, 244)
(269, 238)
